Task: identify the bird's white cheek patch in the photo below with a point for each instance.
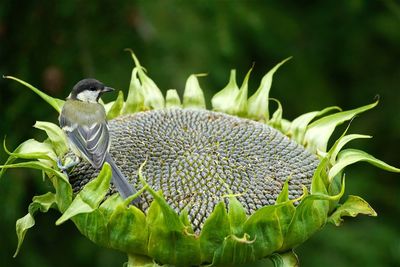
(88, 96)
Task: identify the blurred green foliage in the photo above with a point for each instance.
(344, 53)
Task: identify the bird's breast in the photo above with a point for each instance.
(84, 113)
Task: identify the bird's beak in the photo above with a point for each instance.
(107, 89)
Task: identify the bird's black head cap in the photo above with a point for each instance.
(89, 84)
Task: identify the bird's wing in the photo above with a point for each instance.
(92, 140)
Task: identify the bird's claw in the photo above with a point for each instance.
(61, 166)
(67, 166)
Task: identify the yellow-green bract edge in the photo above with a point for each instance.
(227, 238)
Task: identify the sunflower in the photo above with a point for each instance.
(230, 186)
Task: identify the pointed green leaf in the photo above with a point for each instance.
(128, 229)
(193, 97)
(32, 149)
(135, 99)
(161, 204)
(35, 165)
(285, 126)
(169, 240)
(284, 194)
(276, 118)
(54, 102)
(184, 217)
(353, 206)
(299, 125)
(107, 106)
(341, 142)
(8, 162)
(117, 106)
(153, 98)
(95, 224)
(22, 226)
(40, 203)
(240, 101)
(89, 198)
(310, 215)
(335, 185)
(43, 202)
(232, 100)
(63, 190)
(172, 99)
(350, 156)
(319, 181)
(110, 204)
(235, 250)
(216, 228)
(319, 132)
(267, 227)
(258, 106)
(237, 216)
(224, 100)
(56, 136)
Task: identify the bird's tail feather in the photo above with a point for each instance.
(124, 188)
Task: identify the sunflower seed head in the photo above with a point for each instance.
(198, 157)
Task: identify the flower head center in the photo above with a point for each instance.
(198, 157)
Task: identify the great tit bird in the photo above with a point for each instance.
(84, 121)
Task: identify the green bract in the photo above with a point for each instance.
(229, 236)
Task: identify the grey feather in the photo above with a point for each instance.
(120, 182)
(91, 139)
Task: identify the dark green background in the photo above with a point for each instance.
(344, 53)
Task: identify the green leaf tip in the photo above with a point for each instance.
(40, 203)
(32, 149)
(240, 101)
(54, 102)
(299, 125)
(37, 165)
(232, 99)
(153, 97)
(224, 99)
(10, 159)
(341, 142)
(116, 108)
(352, 207)
(56, 136)
(172, 99)
(276, 119)
(22, 226)
(350, 156)
(193, 96)
(87, 200)
(134, 57)
(258, 103)
(318, 132)
(135, 99)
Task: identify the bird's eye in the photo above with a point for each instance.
(92, 88)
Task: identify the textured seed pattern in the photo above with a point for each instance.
(197, 157)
